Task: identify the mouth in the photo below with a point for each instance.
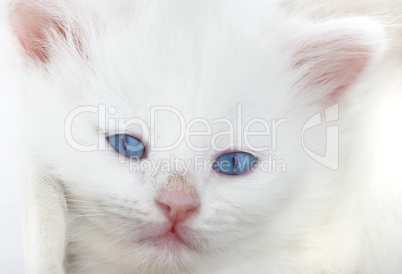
(171, 239)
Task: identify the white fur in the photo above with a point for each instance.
(204, 58)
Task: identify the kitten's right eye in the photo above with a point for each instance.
(127, 145)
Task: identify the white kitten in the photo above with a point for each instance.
(241, 189)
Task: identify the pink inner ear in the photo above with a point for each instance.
(31, 26)
(333, 66)
(354, 68)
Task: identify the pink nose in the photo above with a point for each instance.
(178, 205)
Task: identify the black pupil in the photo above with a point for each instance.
(123, 143)
(235, 161)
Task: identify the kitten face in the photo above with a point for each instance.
(232, 209)
(149, 74)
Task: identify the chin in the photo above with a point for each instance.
(161, 248)
(166, 254)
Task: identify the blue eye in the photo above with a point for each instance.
(127, 145)
(234, 163)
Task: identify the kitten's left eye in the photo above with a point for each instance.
(234, 163)
(127, 145)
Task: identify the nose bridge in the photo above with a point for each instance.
(179, 182)
(180, 161)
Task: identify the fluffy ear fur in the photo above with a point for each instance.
(42, 25)
(330, 57)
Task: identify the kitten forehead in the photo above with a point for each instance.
(189, 56)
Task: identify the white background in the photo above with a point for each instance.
(11, 252)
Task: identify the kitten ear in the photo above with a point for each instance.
(38, 24)
(330, 57)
